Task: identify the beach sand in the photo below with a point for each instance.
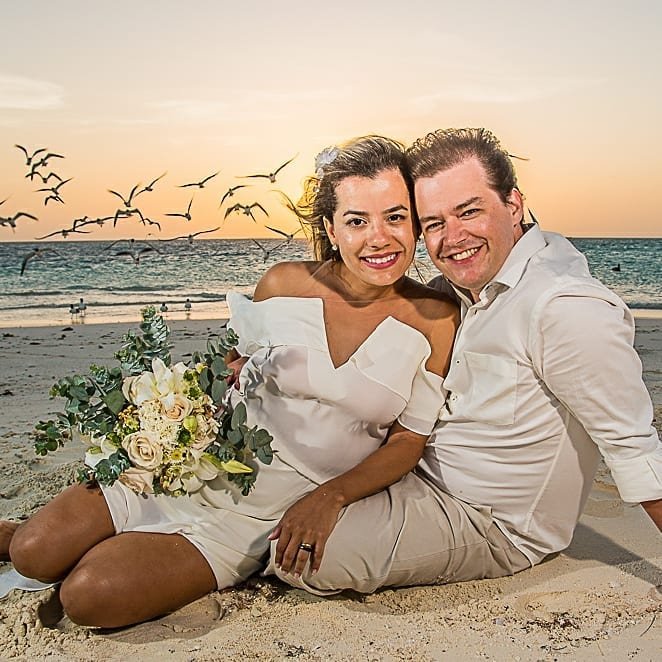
(600, 598)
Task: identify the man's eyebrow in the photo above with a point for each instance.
(468, 202)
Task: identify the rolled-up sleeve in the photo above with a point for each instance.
(585, 356)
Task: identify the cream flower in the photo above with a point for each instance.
(205, 432)
(175, 407)
(144, 449)
(138, 480)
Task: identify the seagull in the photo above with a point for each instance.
(55, 189)
(136, 255)
(44, 178)
(65, 232)
(35, 252)
(2, 202)
(187, 306)
(186, 215)
(163, 308)
(617, 267)
(55, 197)
(84, 220)
(201, 183)
(272, 175)
(131, 242)
(126, 201)
(150, 186)
(44, 160)
(11, 220)
(245, 209)
(190, 237)
(288, 235)
(230, 192)
(29, 157)
(266, 252)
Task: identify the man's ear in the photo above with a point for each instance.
(515, 203)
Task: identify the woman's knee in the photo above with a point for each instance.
(87, 597)
(29, 553)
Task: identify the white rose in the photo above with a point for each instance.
(144, 449)
(138, 480)
(175, 407)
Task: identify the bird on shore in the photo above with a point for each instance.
(125, 201)
(201, 183)
(35, 252)
(191, 237)
(163, 308)
(82, 307)
(136, 255)
(245, 209)
(11, 220)
(272, 175)
(29, 157)
(186, 214)
(150, 186)
(65, 232)
(187, 306)
(230, 192)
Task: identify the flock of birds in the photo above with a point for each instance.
(39, 166)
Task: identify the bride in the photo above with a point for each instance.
(344, 358)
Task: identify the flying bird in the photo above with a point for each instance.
(186, 215)
(125, 201)
(266, 252)
(272, 175)
(245, 209)
(150, 186)
(55, 197)
(136, 255)
(44, 159)
(191, 236)
(44, 178)
(230, 192)
(35, 252)
(288, 235)
(11, 220)
(65, 232)
(54, 189)
(28, 156)
(201, 183)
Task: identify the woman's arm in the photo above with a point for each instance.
(312, 519)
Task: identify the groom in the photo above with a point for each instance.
(543, 378)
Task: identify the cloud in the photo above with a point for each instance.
(499, 88)
(19, 93)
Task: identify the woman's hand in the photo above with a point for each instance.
(235, 362)
(310, 522)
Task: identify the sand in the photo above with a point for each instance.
(600, 598)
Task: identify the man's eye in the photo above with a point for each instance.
(434, 225)
(468, 213)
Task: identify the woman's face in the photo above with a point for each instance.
(373, 228)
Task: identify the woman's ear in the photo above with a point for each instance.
(328, 226)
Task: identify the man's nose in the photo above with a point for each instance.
(455, 232)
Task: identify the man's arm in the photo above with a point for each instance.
(588, 362)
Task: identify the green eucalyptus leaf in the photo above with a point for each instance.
(218, 389)
(114, 400)
(238, 416)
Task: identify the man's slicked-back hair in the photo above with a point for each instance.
(445, 148)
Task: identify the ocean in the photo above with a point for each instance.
(115, 288)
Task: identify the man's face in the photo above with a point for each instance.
(468, 230)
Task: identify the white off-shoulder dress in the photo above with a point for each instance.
(324, 420)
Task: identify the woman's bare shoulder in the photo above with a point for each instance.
(285, 279)
(429, 302)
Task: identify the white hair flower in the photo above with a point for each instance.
(326, 157)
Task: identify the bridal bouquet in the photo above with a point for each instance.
(157, 429)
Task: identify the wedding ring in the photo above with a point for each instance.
(306, 547)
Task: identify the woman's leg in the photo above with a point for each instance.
(55, 538)
(133, 577)
(7, 530)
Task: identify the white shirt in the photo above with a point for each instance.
(543, 376)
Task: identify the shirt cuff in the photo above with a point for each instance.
(638, 478)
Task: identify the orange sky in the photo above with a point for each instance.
(126, 91)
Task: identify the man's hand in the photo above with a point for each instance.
(309, 521)
(654, 510)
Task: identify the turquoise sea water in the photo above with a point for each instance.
(114, 288)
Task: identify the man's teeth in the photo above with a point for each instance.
(464, 254)
(380, 260)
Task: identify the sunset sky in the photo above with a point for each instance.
(129, 90)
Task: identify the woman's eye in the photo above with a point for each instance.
(355, 221)
(395, 218)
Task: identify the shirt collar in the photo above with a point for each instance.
(512, 269)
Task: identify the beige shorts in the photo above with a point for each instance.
(412, 533)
